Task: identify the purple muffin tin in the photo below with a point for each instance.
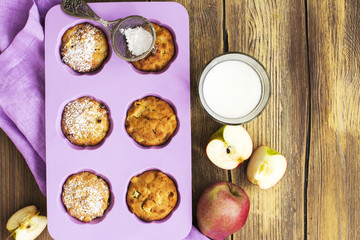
(118, 158)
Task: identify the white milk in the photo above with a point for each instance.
(232, 89)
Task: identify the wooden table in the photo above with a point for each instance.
(311, 50)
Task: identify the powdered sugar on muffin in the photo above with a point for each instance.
(84, 48)
(85, 121)
(85, 196)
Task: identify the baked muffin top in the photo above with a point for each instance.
(152, 195)
(85, 196)
(85, 121)
(84, 48)
(164, 53)
(151, 121)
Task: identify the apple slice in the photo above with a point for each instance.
(229, 146)
(20, 216)
(31, 229)
(26, 224)
(266, 167)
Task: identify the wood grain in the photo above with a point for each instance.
(334, 167)
(274, 32)
(17, 185)
(206, 42)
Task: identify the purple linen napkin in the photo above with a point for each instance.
(22, 73)
(22, 82)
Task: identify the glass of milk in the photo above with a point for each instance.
(234, 88)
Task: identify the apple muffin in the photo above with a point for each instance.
(164, 52)
(84, 48)
(85, 196)
(85, 121)
(151, 196)
(151, 121)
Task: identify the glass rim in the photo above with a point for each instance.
(264, 81)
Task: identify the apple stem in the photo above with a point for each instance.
(10, 235)
(233, 191)
(230, 188)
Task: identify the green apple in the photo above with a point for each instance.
(26, 224)
(229, 146)
(266, 167)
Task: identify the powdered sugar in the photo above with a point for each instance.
(81, 48)
(86, 196)
(138, 40)
(81, 118)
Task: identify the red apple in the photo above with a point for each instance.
(222, 210)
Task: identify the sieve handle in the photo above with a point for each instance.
(80, 9)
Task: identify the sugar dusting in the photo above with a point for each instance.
(81, 117)
(82, 48)
(86, 196)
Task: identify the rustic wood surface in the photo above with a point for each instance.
(274, 32)
(311, 51)
(333, 196)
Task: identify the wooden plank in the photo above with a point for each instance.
(334, 167)
(17, 185)
(274, 32)
(206, 42)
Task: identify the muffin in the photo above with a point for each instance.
(150, 121)
(85, 122)
(164, 53)
(85, 196)
(151, 196)
(84, 48)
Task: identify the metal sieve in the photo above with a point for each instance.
(80, 9)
